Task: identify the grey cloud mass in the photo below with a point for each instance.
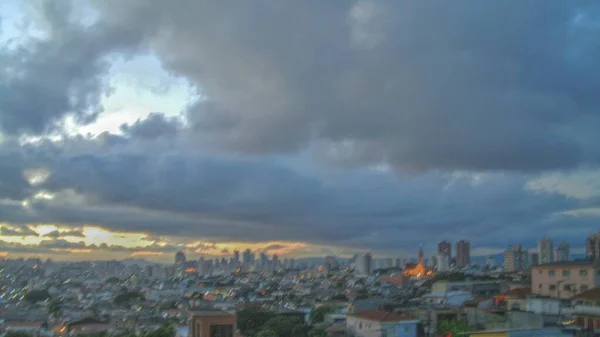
(419, 85)
(359, 124)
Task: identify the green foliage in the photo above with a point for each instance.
(113, 280)
(453, 327)
(128, 297)
(35, 296)
(166, 330)
(318, 331)
(339, 297)
(362, 294)
(55, 307)
(282, 326)
(251, 320)
(198, 295)
(317, 315)
(18, 334)
(267, 333)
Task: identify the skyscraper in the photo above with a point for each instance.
(516, 258)
(247, 256)
(463, 253)
(445, 248)
(545, 251)
(236, 255)
(364, 264)
(443, 262)
(592, 247)
(179, 258)
(563, 252)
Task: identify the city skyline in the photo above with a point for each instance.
(133, 131)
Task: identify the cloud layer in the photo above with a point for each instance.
(355, 124)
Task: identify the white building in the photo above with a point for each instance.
(443, 262)
(364, 264)
(545, 251)
(376, 323)
(563, 252)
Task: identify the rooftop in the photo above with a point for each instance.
(592, 294)
(574, 263)
(382, 316)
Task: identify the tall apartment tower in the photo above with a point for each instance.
(592, 246)
(364, 264)
(545, 251)
(563, 252)
(463, 253)
(516, 258)
(445, 249)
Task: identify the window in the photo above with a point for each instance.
(540, 286)
(584, 288)
(552, 287)
(598, 272)
(583, 272)
(567, 287)
(221, 330)
(566, 272)
(540, 271)
(551, 272)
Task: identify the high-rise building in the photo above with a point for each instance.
(236, 255)
(516, 258)
(443, 262)
(445, 248)
(432, 262)
(247, 256)
(563, 252)
(490, 262)
(463, 253)
(545, 251)
(179, 258)
(364, 264)
(592, 247)
(275, 263)
(534, 259)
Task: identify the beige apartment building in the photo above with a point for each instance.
(564, 279)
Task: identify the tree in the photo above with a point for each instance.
(317, 331)
(267, 333)
(339, 297)
(128, 297)
(17, 334)
(166, 330)
(317, 315)
(35, 296)
(251, 320)
(282, 326)
(453, 327)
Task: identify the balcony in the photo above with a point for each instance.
(586, 310)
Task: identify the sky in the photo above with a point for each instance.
(136, 129)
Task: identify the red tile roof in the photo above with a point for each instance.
(517, 292)
(592, 295)
(382, 316)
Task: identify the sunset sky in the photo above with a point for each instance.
(138, 128)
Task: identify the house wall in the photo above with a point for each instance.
(201, 324)
(357, 327)
(551, 280)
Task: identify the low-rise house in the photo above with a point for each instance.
(565, 279)
(586, 309)
(375, 323)
(514, 299)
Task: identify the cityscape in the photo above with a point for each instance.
(269, 168)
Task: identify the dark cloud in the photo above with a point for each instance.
(24, 231)
(61, 74)
(61, 234)
(156, 125)
(419, 85)
(503, 89)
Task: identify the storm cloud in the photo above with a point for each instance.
(359, 124)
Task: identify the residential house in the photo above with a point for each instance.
(564, 279)
(375, 323)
